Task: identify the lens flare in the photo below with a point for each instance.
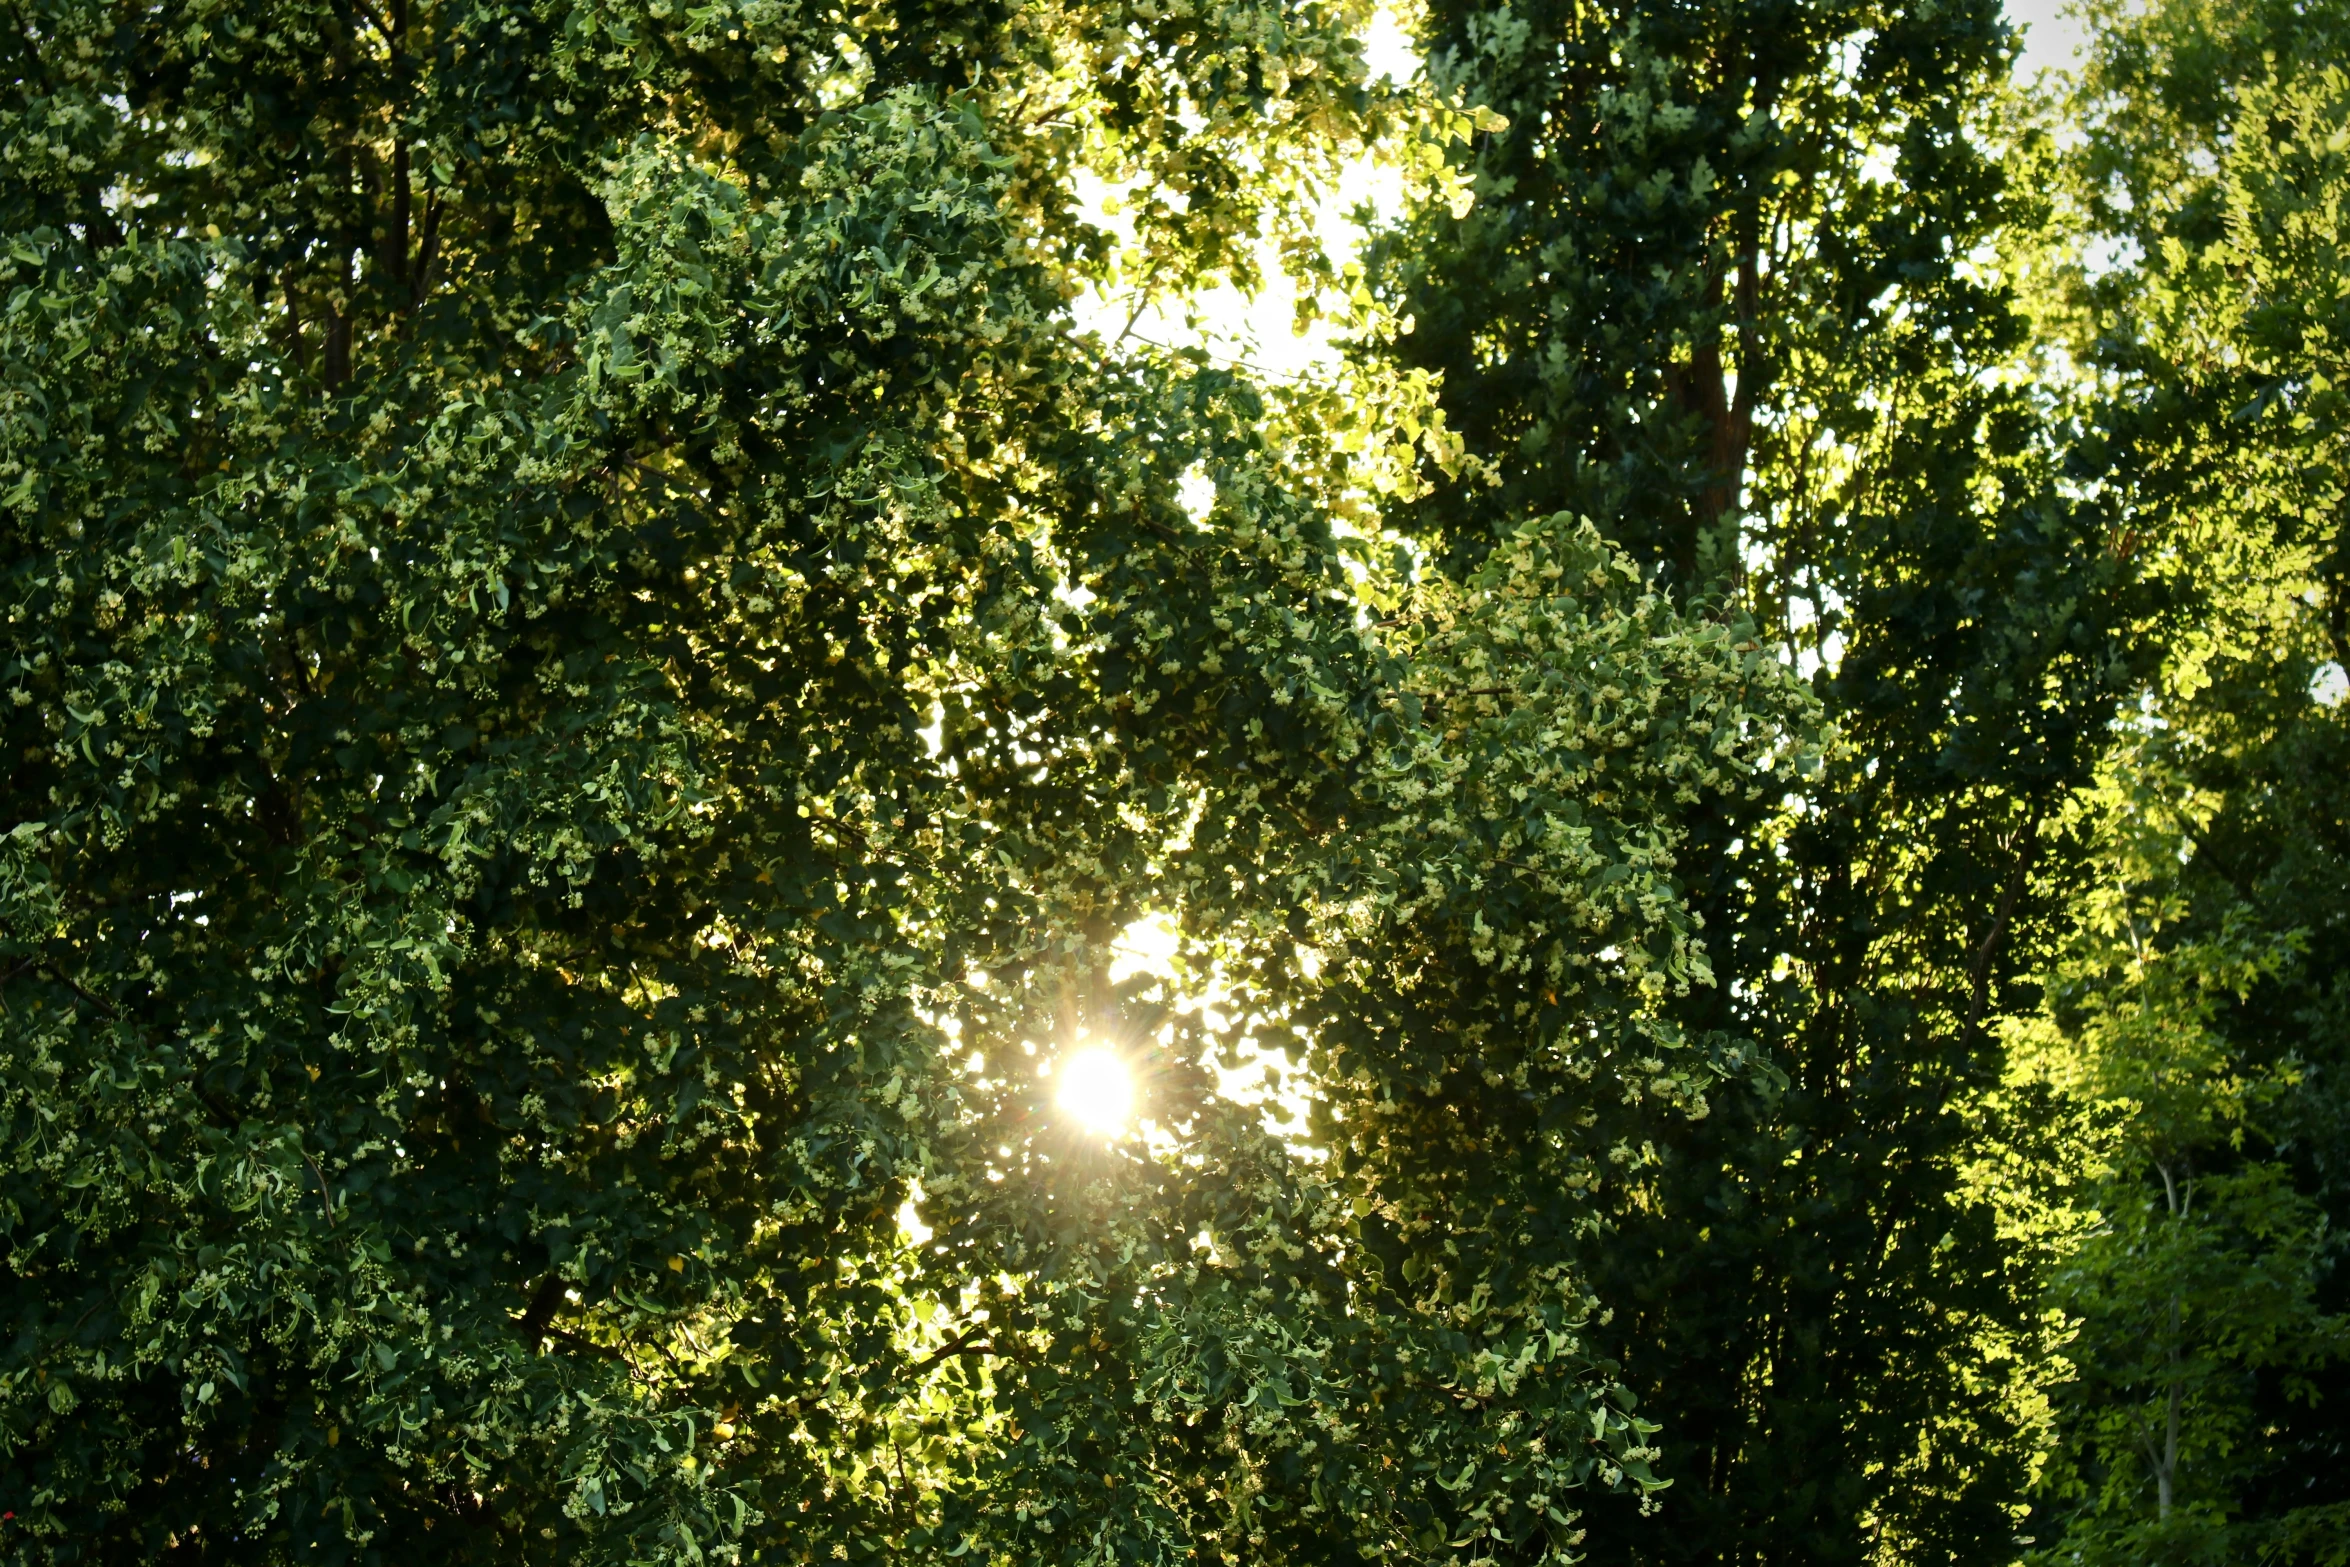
(1096, 1090)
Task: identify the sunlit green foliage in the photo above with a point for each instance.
(594, 669)
(1740, 283)
(593, 672)
(2200, 1020)
(2191, 1280)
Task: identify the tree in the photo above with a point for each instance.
(594, 672)
(2194, 1284)
(2200, 1014)
(1741, 284)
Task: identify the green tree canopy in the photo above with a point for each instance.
(1742, 280)
(598, 664)
(2198, 1021)
(594, 671)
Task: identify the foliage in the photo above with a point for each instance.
(594, 672)
(2193, 1283)
(2198, 1016)
(1742, 281)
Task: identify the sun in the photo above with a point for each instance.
(1096, 1090)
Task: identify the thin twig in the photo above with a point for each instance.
(59, 975)
(852, 830)
(326, 1198)
(1429, 697)
(1141, 302)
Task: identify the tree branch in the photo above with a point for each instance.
(539, 1315)
(961, 1344)
(600, 1351)
(1979, 977)
(326, 1198)
(428, 244)
(367, 14)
